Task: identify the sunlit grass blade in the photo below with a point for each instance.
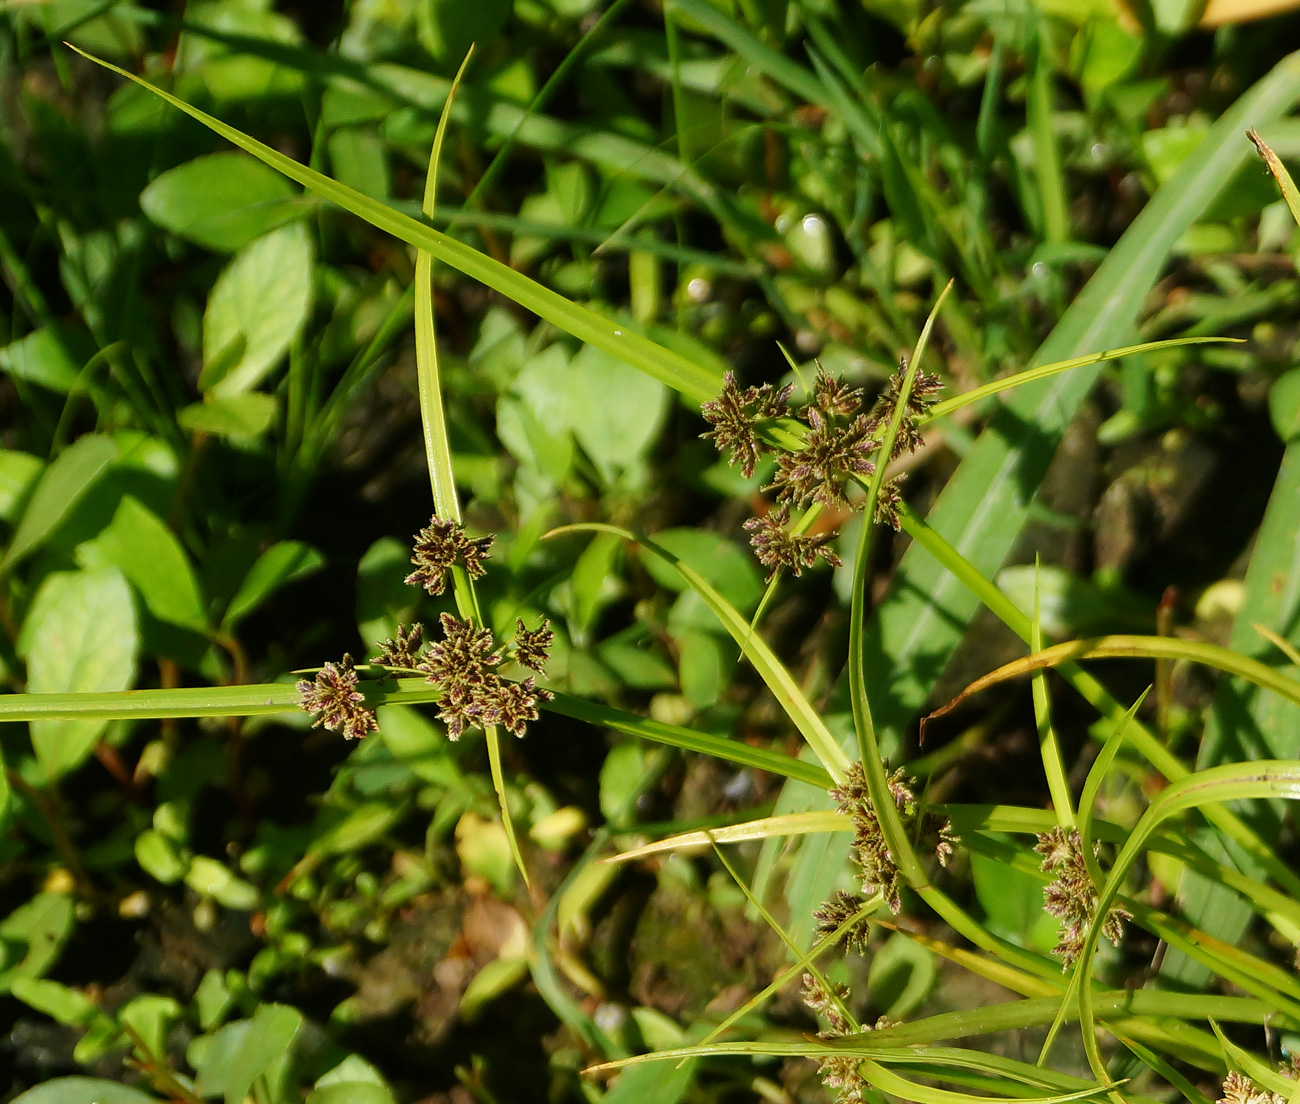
(615, 338)
(1129, 647)
(790, 824)
(437, 447)
(1092, 787)
(982, 508)
(1058, 784)
(901, 849)
(772, 671)
(884, 1079)
(994, 387)
(1092, 691)
(1278, 778)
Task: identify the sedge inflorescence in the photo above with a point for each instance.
(1071, 896)
(845, 915)
(841, 444)
(464, 665)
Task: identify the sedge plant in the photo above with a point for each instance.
(832, 447)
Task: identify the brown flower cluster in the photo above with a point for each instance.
(930, 830)
(735, 415)
(462, 665)
(841, 445)
(440, 546)
(338, 704)
(1071, 897)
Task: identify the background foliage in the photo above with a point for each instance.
(213, 462)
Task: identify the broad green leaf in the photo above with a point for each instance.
(33, 935)
(52, 356)
(257, 308)
(70, 1007)
(350, 1092)
(282, 563)
(209, 878)
(138, 543)
(620, 779)
(151, 1017)
(361, 826)
(616, 411)
(705, 665)
(723, 563)
(1247, 724)
(449, 28)
(61, 486)
(84, 1090)
(231, 1059)
(18, 474)
(79, 635)
(383, 599)
(1284, 405)
(1013, 903)
(158, 857)
(222, 200)
(247, 415)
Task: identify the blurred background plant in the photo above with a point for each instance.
(213, 463)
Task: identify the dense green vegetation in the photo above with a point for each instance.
(289, 284)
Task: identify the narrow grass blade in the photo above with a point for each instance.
(1127, 647)
(994, 387)
(791, 824)
(1058, 784)
(982, 509)
(615, 338)
(772, 671)
(1092, 787)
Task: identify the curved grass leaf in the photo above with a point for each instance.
(615, 338)
(772, 671)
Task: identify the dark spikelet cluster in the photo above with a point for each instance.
(473, 695)
(776, 548)
(924, 394)
(880, 872)
(829, 1002)
(440, 546)
(336, 702)
(889, 504)
(406, 650)
(1240, 1089)
(843, 1076)
(736, 413)
(841, 908)
(832, 396)
(835, 451)
(532, 646)
(1071, 897)
(841, 446)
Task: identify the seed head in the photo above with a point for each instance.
(439, 546)
(405, 651)
(736, 412)
(776, 548)
(334, 698)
